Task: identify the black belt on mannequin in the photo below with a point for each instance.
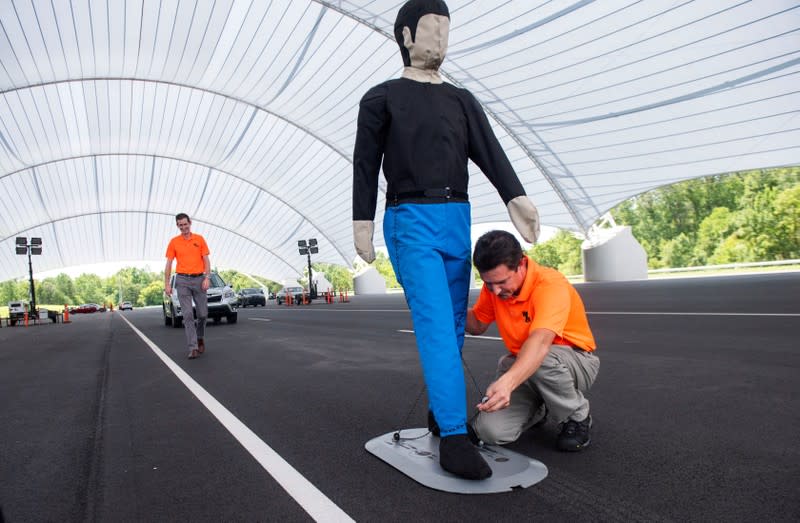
(427, 196)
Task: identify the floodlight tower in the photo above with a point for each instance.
(23, 248)
(309, 248)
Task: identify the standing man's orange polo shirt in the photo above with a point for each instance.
(546, 301)
(189, 253)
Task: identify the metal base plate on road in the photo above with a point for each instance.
(417, 456)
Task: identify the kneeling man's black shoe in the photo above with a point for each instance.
(459, 456)
(574, 435)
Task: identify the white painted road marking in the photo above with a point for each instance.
(465, 335)
(259, 319)
(304, 492)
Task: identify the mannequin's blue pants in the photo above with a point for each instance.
(429, 246)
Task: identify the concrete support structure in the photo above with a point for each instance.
(613, 254)
(369, 281)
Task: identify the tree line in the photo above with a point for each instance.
(750, 216)
(139, 286)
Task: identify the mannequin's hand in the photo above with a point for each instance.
(525, 218)
(362, 237)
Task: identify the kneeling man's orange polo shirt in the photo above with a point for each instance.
(546, 301)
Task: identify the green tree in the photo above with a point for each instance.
(384, 267)
(340, 277)
(89, 289)
(659, 217)
(8, 292)
(677, 251)
(713, 230)
(731, 250)
(151, 294)
(65, 286)
(48, 292)
(562, 252)
(787, 223)
(237, 280)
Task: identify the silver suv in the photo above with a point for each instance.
(222, 302)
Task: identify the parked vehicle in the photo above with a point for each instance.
(16, 311)
(126, 306)
(222, 303)
(295, 292)
(252, 296)
(86, 308)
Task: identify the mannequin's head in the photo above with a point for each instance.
(421, 29)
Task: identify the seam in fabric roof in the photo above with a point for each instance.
(299, 61)
(101, 213)
(95, 157)
(84, 81)
(689, 96)
(650, 57)
(523, 30)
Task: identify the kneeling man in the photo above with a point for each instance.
(551, 362)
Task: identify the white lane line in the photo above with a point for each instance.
(259, 319)
(304, 492)
(695, 314)
(465, 335)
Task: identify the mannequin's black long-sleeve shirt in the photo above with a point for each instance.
(424, 134)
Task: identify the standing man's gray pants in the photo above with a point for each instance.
(192, 287)
(559, 384)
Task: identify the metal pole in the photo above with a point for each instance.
(310, 277)
(33, 290)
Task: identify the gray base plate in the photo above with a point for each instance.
(419, 459)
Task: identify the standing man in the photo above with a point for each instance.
(423, 131)
(192, 278)
(551, 362)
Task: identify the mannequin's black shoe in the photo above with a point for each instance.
(459, 456)
(432, 425)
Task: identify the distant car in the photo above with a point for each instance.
(86, 308)
(222, 303)
(126, 306)
(252, 296)
(295, 292)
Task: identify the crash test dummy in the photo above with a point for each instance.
(423, 131)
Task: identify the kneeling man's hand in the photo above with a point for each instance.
(498, 396)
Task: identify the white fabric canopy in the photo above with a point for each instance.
(116, 115)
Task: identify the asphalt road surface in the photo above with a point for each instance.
(695, 412)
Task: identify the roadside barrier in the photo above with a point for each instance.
(66, 314)
(26, 318)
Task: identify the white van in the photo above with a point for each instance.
(16, 311)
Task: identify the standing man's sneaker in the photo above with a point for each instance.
(201, 346)
(193, 354)
(574, 435)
